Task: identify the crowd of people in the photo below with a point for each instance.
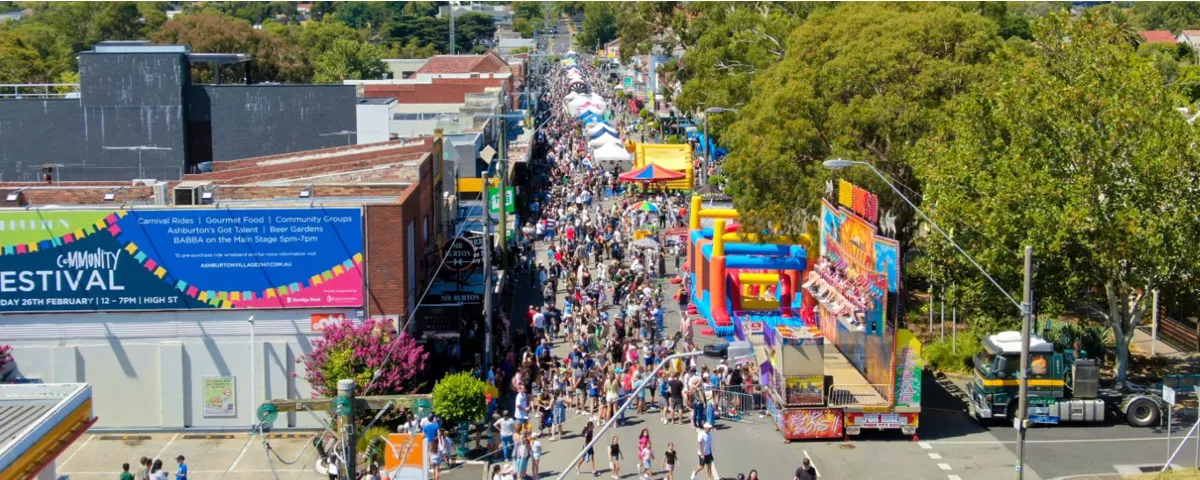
(602, 285)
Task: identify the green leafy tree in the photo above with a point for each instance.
(727, 46)
(274, 60)
(528, 13)
(349, 60)
(473, 32)
(460, 398)
(317, 37)
(570, 8)
(523, 27)
(419, 9)
(154, 15)
(253, 12)
(862, 81)
(34, 52)
(412, 49)
(645, 25)
(319, 10)
(599, 25)
(369, 16)
(1173, 16)
(1072, 146)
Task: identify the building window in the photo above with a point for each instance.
(425, 231)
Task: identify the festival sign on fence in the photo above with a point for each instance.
(178, 259)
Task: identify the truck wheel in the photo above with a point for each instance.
(1142, 412)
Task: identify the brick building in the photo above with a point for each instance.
(165, 355)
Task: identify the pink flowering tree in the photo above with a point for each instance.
(359, 350)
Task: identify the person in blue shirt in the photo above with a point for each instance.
(182, 472)
(429, 427)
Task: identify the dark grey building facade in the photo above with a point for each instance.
(138, 115)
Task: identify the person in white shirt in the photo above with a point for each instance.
(522, 405)
(704, 451)
(535, 452)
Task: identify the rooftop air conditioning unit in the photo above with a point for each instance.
(193, 193)
(161, 192)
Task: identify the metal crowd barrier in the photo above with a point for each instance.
(736, 401)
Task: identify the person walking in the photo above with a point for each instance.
(435, 457)
(646, 455)
(704, 449)
(806, 471)
(590, 454)
(669, 459)
(614, 457)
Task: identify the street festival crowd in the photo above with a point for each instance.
(611, 314)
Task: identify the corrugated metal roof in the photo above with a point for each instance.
(16, 416)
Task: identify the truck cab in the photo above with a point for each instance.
(1062, 386)
(994, 389)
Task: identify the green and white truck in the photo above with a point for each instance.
(1063, 386)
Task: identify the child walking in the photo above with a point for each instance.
(614, 457)
(669, 461)
(647, 461)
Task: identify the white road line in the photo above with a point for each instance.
(164, 449)
(1082, 440)
(925, 445)
(944, 466)
(953, 477)
(76, 452)
(811, 462)
(935, 456)
(208, 472)
(240, 455)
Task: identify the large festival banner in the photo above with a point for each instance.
(178, 259)
(887, 261)
(857, 240)
(831, 224)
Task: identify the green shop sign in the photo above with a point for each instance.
(510, 202)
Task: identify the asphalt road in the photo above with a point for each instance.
(1058, 451)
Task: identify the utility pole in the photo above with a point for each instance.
(487, 279)
(1022, 416)
(344, 406)
(500, 170)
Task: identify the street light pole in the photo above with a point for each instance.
(500, 171)
(1026, 308)
(629, 400)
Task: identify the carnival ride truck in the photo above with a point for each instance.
(1063, 387)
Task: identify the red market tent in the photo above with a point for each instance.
(651, 173)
